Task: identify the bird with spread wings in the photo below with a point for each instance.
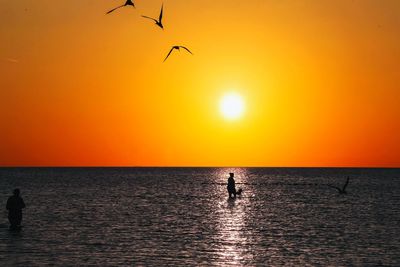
(343, 189)
(127, 3)
(159, 21)
(177, 47)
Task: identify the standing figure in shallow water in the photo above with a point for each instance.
(15, 204)
(231, 186)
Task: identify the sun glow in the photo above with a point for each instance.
(232, 106)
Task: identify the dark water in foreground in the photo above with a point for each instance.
(182, 217)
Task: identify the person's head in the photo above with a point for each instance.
(16, 192)
(231, 174)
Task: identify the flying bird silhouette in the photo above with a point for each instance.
(343, 189)
(177, 47)
(159, 21)
(127, 3)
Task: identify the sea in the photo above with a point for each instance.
(183, 217)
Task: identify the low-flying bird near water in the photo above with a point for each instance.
(127, 3)
(343, 189)
(159, 21)
(177, 47)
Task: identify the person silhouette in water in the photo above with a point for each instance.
(15, 204)
(231, 186)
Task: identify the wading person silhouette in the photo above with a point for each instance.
(231, 186)
(15, 204)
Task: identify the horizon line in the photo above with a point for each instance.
(124, 166)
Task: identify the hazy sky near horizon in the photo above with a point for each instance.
(320, 80)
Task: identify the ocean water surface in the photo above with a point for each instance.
(183, 217)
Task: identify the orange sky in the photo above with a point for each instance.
(320, 78)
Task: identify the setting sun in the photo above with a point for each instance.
(232, 106)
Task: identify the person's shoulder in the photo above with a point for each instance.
(10, 201)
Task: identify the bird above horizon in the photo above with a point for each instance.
(177, 47)
(343, 189)
(127, 3)
(159, 21)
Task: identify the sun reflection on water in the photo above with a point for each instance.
(231, 238)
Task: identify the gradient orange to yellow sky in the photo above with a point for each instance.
(320, 80)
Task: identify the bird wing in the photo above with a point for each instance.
(347, 182)
(170, 51)
(335, 187)
(114, 9)
(149, 18)
(186, 49)
(161, 13)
